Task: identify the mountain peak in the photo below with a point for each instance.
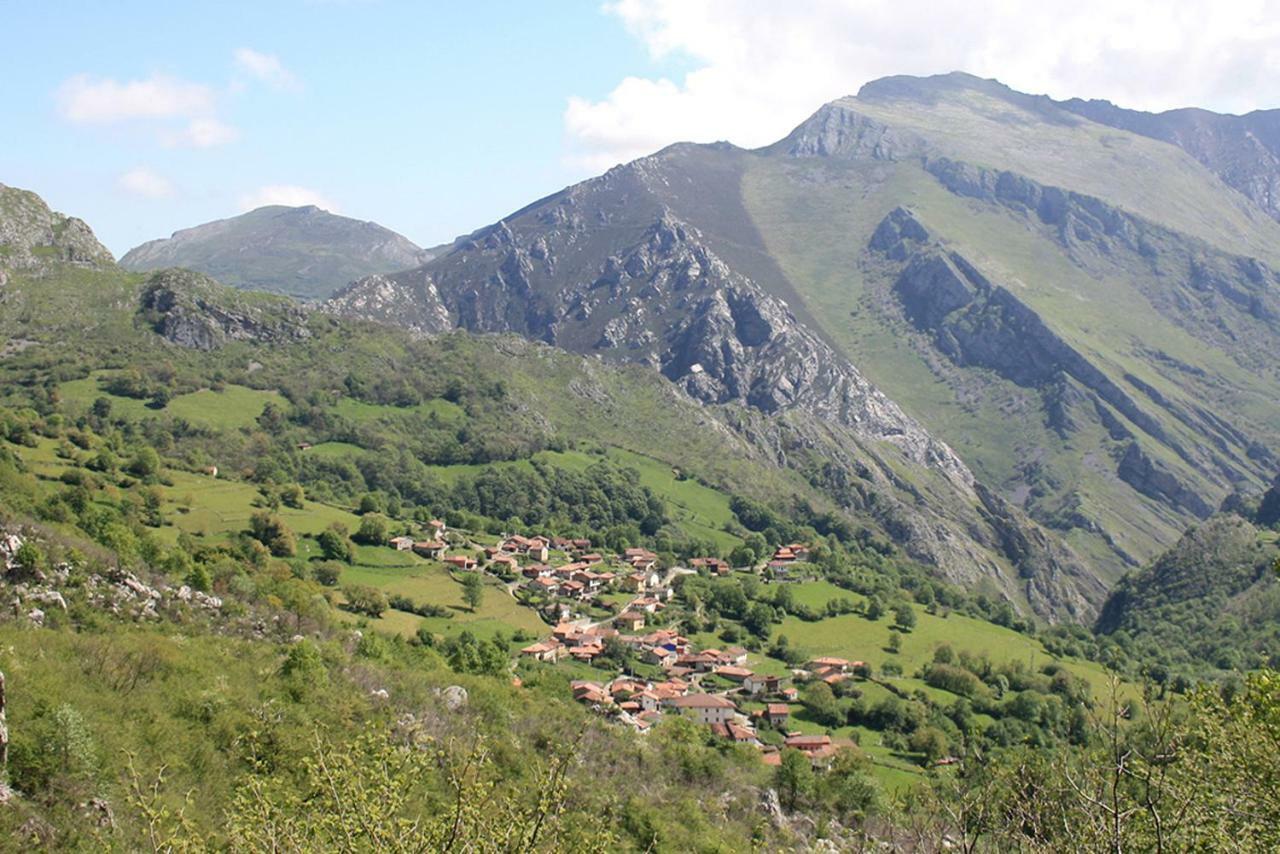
(33, 236)
(302, 251)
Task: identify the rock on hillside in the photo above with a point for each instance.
(32, 236)
(303, 252)
(193, 311)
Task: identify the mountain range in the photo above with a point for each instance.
(1031, 341)
(303, 252)
(1041, 314)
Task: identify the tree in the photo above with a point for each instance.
(335, 545)
(794, 778)
(759, 619)
(372, 531)
(874, 607)
(895, 642)
(821, 703)
(472, 590)
(328, 573)
(904, 617)
(272, 532)
(145, 464)
(366, 600)
(292, 495)
(930, 741)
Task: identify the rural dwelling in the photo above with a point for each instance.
(544, 585)
(758, 683)
(437, 527)
(827, 664)
(433, 549)
(505, 562)
(736, 734)
(734, 674)
(629, 620)
(461, 562)
(663, 656)
(548, 650)
(706, 708)
(713, 565)
(777, 714)
(402, 544)
(809, 743)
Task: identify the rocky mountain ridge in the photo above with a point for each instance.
(32, 236)
(697, 262)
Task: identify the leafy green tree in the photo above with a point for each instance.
(793, 778)
(335, 544)
(472, 590)
(272, 532)
(930, 741)
(822, 705)
(904, 617)
(145, 464)
(874, 608)
(372, 530)
(328, 573)
(292, 495)
(366, 600)
(759, 619)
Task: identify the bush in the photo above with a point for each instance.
(366, 600)
(372, 531)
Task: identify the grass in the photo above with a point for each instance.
(230, 409)
(361, 412)
(428, 582)
(854, 637)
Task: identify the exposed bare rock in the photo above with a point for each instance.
(32, 237)
(192, 311)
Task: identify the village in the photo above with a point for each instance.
(601, 604)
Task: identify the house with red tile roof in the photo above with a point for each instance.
(433, 549)
(777, 714)
(461, 561)
(733, 674)
(758, 683)
(548, 650)
(630, 620)
(705, 708)
(733, 732)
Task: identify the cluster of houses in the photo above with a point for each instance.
(785, 556)
(641, 702)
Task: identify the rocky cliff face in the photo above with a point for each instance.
(978, 324)
(193, 311)
(32, 237)
(606, 268)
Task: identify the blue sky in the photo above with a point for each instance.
(437, 118)
(432, 120)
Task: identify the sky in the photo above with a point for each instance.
(435, 119)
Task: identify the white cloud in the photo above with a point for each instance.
(182, 113)
(203, 132)
(86, 100)
(286, 194)
(759, 67)
(265, 67)
(145, 183)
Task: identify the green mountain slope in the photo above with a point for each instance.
(304, 252)
(1210, 602)
(1085, 318)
